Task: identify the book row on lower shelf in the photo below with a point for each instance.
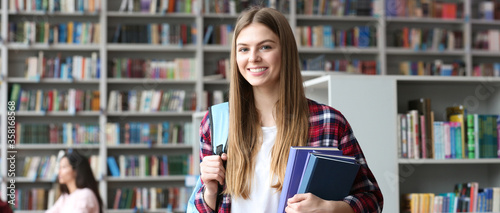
(466, 197)
(444, 68)
(30, 32)
(151, 100)
(428, 39)
(150, 165)
(149, 133)
(65, 6)
(330, 37)
(178, 69)
(173, 199)
(35, 168)
(54, 100)
(461, 136)
(430, 9)
(139, 198)
(352, 66)
(46, 167)
(155, 33)
(71, 67)
(57, 133)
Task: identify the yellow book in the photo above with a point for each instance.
(70, 32)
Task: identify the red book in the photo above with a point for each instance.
(449, 11)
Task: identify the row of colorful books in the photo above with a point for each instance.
(461, 136)
(65, 6)
(142, 165)
(155, 33)
(353, 66)
(46, 167)
(149, 133)
(213, 97)
(71, 67)
(424, 8)
(489, 10)
(159, 6)
(237, 6)
(436, 67)
(31, 32)
(336, 7)
(218, 34)
(466, 197)
(428, 39)
(151, 101)
(329, 37)
(57, 133)
(221, 70)
(172, 199)
(178, 69)
(71, 100)
(487, 40)
(487, 69)
(34, 199)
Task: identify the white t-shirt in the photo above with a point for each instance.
(263, 198)
(80, 201)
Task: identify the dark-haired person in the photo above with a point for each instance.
(79, 193)
(269, 113)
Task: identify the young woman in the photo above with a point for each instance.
(78, 186)
(269, 113)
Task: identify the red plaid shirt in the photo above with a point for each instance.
(327, 127)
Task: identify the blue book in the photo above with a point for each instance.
(295, 167)
(208, 34)
(330, 177)
(113, 167)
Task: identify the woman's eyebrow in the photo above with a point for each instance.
(264, 41)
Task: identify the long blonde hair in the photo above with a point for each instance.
(291, 110)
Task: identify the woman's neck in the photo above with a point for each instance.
(71, 187)
(265, 103)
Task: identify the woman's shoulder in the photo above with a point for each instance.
(319, 109)
(83, 192)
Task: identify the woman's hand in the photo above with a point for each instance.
(311, 203)
(212, 173)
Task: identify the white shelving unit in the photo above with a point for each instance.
(370, 103)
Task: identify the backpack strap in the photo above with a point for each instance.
(219, 120)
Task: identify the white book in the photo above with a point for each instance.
(142, 165)
(51, 197)
(40, 67)
(121, 160)
(494, 40)
(132, 100)
(70, 6)
(31, 64)
(152, 6)
(94, 65)
(33, 167)
(145, 198)
(71, 101)
(130, 5)
(155, 103)
(153, 198)
(123, 5)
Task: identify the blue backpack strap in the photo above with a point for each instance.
(219, 129)
(219, 120)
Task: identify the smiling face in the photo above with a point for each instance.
(258, 55)
(66, 172)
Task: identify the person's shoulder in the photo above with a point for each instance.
(83, 192)
(323, 110)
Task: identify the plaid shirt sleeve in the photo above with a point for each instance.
(206, 150)
(328, 127)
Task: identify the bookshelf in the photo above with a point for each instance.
(375, 127)
(389, 85)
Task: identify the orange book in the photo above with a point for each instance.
(449, 11)
(84, 71)
(95, 101)
(70, 32)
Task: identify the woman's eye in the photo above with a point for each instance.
(243, 50)
(266, 47)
